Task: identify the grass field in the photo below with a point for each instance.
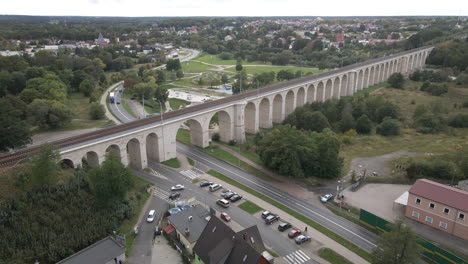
(276, 69)
(333, 257)
(183, 135)
(174, 163)
(177, 103)
(193, 66)
(250, 207)
(214, 59)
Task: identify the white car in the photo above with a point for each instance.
(151, 216)
(177, 187)
(326, 197)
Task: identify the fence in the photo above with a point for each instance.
(429, 250)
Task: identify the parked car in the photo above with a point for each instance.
(225, 191)
(271, 219)
(225, 217)
(215, 187)
(284, 226)
(227, 195)
(205, 183)
(151, 216)
(177, 187)
(326, 197)
(294, 233)
(174, 196)
(118, 102)
(265, 214)
(302, 239)
(223, 202)
(235, 198)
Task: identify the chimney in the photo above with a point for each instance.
(245, 236)
(190, 218)
(187, 232)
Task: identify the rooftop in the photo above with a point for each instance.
(100, 252)
(195, 224)
(441, 193)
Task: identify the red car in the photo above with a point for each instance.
(294, 233)
(225, 217)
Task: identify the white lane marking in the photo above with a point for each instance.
(301, 252)
(290, 259)
(299, 256)
(118, 109)
(329, 220)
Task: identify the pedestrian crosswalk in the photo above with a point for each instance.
(193, 173)
(296, 257)
(161, 194)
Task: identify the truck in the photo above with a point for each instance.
(112, 97)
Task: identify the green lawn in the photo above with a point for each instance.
(191, 161)
(276, 69)
(333, 257)
(177, 103)
(127, 95)
(346, 243)
(174, 163)
(250, 207)
(214, 59)
(193, 66)
(183, 135)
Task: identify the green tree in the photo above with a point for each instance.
(419, 111)
(398, 246)
(96, 111)
(144, 89)
(87, 87)
(239, 65)
(49, 113)
(161, 94)
(15, 131)
(387, 109)
(44, 166)
(173, 65)
(396, 80)
(388, 127)
(364, 125)
(429, 124)
(347, 121)
(328, 163)
(179, 74)
(224, 79)
(111, 181)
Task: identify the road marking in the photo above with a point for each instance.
(190, 174)
(296, 257)
(261, 186)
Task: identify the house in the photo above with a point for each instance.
(105, 251)
(189, 225)
(439, 206)
(219, 244)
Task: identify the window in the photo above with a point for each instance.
(429, 219)
(418, 201)
(461, 216)
(446, 210)
(415, 214)
(443, 225)
(431, 205)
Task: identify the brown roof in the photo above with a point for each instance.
(441, 193)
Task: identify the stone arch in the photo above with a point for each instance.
(328, 89)
(152, 147)
(377, 74)
(91, 158)
(387, 70)
(336, 87)
(264, 113)
(300, 97)
(134, 153)
(278, 108)
(67, 163)
(224, 124)
(359, 80)
(382, 72)
(114, 149)
(410, 63)
(344, 85)
(289, 103)
(311, 93)
(250, 112)
(365, 83)
(371, 76)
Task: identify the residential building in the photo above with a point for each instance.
(105, 251)
(189, 225)
(219, 244)
(439, 206)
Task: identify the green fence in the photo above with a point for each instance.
(429, 250)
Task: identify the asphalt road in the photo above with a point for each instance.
(352, 232)
(273, 238)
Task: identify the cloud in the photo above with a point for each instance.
(96, 2)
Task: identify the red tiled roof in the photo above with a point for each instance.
(441, 193)
(169, 229)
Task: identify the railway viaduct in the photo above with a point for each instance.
(154, 138)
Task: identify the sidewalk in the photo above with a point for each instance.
(316, 235)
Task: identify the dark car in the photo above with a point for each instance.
(118, 102)
(205, 183)
(284, 226)
(174, 196)
(265, 214)
(235, 198)
(271, 219)
(228, 195)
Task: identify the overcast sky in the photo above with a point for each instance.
(235, 7)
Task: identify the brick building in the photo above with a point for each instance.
(439, 206)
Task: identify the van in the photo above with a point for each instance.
(223, 202)
(215, 187)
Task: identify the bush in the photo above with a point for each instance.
(388, 127)
(432, 168)
(96, 111)
(465, 104)
(232, 142)
(225, 56)
(363, 125)
(434, 89)
(429, 124)
(396, 80)
(459, 120)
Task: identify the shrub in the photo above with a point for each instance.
(388, 127)
(225, 56)
(96, 111)
(459, 120)
(232, 142)
(429, 124)
(363, 125)
(396, 80)
(465, 104)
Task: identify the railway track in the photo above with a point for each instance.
(18, 156)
